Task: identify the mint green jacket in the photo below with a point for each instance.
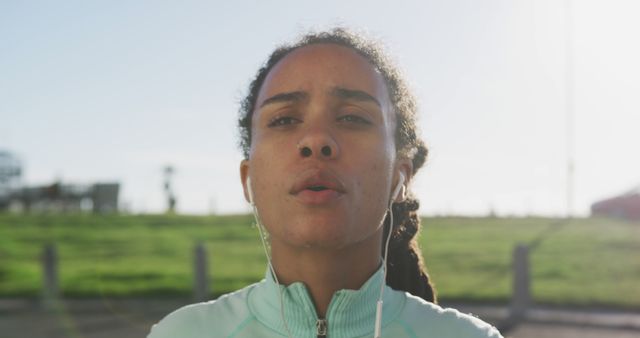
(254, 312)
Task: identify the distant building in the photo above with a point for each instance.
(57, 197)
(625, 206)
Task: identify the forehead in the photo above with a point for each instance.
(319, 67)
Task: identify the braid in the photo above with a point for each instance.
(406, 270)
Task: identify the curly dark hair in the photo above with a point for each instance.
(406, 270)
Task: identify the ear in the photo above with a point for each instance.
(404, 166)
(244, 175)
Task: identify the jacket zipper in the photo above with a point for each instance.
(321, 328)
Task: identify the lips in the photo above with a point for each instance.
(317, 186)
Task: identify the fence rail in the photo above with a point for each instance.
(520, 295)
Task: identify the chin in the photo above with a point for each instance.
(318, 234)
(325, 234)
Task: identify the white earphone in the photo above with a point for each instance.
(249, 190)
(399, 187)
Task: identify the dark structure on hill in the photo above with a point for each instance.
(56, 197)
(625, 206)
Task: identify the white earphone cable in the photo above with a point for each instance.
(266, 253)
(378, 325)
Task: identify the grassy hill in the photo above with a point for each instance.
(577, 262)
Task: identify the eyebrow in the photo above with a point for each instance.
(354, 94)
(285, 98)
(340, 92)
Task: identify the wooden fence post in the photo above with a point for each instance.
(201, 281)
(521, 293)
(50, 291)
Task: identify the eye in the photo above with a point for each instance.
(352, 118)
(282, 121)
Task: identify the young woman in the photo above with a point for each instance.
(328, 132)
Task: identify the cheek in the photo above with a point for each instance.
(273, 149)
(269, 181)
(261, 174)
(374, 185)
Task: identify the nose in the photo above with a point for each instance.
(318, 144)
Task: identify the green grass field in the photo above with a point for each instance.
(579, 262)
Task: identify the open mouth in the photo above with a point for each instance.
(317, 188)
(318, 191)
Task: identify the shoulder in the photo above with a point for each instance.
(422, 316)
(222, 315)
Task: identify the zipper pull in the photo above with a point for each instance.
(321, 328)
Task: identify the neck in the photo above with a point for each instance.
(325, 271)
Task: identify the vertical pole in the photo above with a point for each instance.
(50, 291)
(201, 283)
(521, 297)
(569, 104)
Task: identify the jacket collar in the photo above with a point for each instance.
(351, 313)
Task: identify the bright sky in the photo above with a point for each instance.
(114, 90)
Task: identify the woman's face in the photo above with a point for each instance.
(322, 160)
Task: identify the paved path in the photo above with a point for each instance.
(536, 330)
(102, 318)
(95, 318)
(544, 322)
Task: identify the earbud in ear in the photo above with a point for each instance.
(249, 190)
(399, 187)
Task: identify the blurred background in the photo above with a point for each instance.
(119, 165)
